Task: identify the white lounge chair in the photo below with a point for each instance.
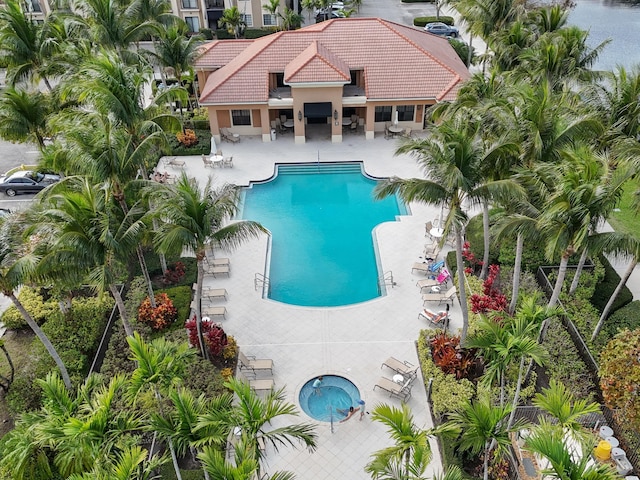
(226, 134)
(403, 368)
(440, 297)
(214, 312)
(437, 319)
(402, 391)
(249, 362)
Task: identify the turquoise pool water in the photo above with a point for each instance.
(321, 217)
(335, 396)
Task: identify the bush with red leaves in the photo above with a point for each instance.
(173, 276)
(450, 357)
(492, 299)
(214, 337)
(160, 317)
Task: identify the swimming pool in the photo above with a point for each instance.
(321, 217)
(326, 403)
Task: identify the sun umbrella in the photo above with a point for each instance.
(214, 148)
(395, 119)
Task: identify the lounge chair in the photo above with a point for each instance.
(214, 293)
(441, 279)
(428, 267)
(403, 368)
(249, 362)
(216, 270)
(216, 262)
(258, 385)
(402, 391)
(437, 319)
(440, 297)
(173, 161)
(227, 135)
(214, 312)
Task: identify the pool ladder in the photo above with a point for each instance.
(387, 279)
(261, 281)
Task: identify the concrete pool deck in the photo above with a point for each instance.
(351, 341)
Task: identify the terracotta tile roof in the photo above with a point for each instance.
(317, 64)
(399, 62)
(216, 54)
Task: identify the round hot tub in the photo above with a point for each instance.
(330, 399)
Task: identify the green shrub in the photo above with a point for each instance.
(34, 303)
(447, 393)
(207, 33)
(565, 364)
(203, 146)
(24, 394)
(249, 33)
(181, 297)
(532, 256)
(116, 359)
(602, 294)
(422, 21)
(627, 317)
(462, 49)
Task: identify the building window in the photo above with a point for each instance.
(247, 18)
(405, 113)
(189, 4)
(241, 117)
(193, 23)
(33, 6)
(268, 20)
(383, 114)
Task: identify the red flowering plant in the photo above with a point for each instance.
(160, 317)
(470, 257)
(173, 276)
(215, 338)
(187, 138)
(450, 357)
(492, 299)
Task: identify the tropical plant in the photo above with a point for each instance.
(410, 455)
(272, 7)
(481, 427)
(193, 218)
(17, 259)
(290, 19)
(254, 416)
(232, 20)
(451, 158)
(23, 116)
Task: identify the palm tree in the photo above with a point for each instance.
(129, 464)
(232, 20)
(193, 219)
(26, 49)
(244, 467)
(160, 365)
(254, 415)
(17, 260)
(411, 453)
(89, 235)
(481, 428)
(272, 7)
(549, 441)
(559, 402)
(290, 19)
(5, 382)
(23, 116)
(451, 158)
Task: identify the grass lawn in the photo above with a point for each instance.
(626, 220)
(18, 344)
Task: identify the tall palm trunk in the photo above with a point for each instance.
(485, 468)
(461, 281)
(614, 295)
(43, 338)
(121, 308)
(200, 262)
(143, 264)
(576, 277)
(562, 273)
(516, 395)
(487, 239)
(12, 369)
(517, 268)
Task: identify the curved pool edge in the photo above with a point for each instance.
(324, 372)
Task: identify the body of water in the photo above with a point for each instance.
(321, 219)
(617, 21)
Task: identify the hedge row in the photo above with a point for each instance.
(422, 21)
(249, 33)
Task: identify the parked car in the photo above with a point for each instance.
(439, 28)
(26, 181)
(321, 17)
